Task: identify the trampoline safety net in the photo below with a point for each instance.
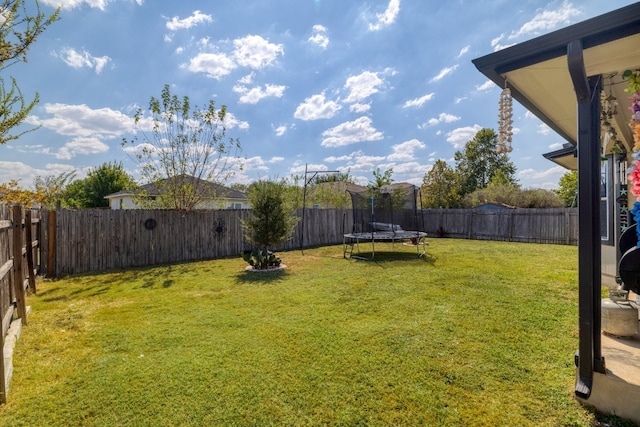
(392, 208)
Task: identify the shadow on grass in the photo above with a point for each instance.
(269, 277)
(390, 256)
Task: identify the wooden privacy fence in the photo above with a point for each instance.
(19, 264)
(556, 226)
(96, 240)
(89, 240)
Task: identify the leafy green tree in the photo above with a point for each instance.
(383, 198)
(106, 179)
(441, 187)
(479, 162)
(333, 177)
(568, 188)
(185, 146)
(18, 31)
(380, 179)
(294, 191)
(329, 191)
(273, 218)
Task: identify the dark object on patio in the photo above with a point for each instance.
(629, 270)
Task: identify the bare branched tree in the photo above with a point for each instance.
(181, 148)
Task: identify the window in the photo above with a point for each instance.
(606, 203)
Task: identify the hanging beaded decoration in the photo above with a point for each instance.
(505, 122)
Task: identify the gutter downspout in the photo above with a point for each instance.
(589, 356)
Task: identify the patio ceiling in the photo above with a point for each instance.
(537, 73)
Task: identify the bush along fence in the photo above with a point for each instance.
(88, 240)
(20, 237)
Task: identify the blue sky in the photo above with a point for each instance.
(332, 84)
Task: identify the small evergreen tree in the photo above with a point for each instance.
(272, 222)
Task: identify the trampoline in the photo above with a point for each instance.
(388, 214)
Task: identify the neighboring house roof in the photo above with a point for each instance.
(207, 188)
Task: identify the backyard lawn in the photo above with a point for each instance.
(476, 333)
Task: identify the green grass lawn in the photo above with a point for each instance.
(476, 333)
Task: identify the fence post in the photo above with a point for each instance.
(18, 276)
(567, 229)
(51, 244)
(28, 242)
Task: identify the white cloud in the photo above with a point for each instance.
(442, 118)
(555, 146)
(418, 102)
(357, 161)
(81, 146)
(443, 73)
(214, 65)
(248, 79)
(486, 86)
(544, 129)
(352, 132)
(255, 94)
(256, 52)
(70, 4)
(182, 24)
(405, 152)
(496, 45)
(280, 130)
(316, 107)
(463, 51)
(359, 108)
(460, 136)
(319, 36)
(24, 173)
(547, 20)
(231, 121)
(362, 86)
(255, 163)
(299, 168)
(85, 122)
(548, 178)
(388, 17)
(77, 59)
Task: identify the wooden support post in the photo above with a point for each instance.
(18, 276)
(28, 244)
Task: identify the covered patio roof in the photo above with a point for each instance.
(560, 77)
(536, 71)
